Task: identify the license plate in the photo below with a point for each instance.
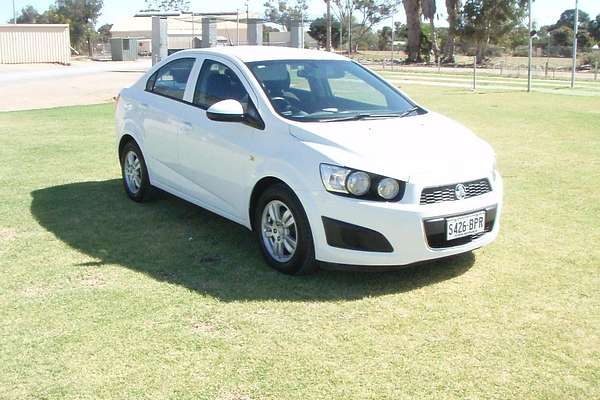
(465, 225)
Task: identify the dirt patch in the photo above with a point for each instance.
(35, 292)
(203, 327)
(93, 280)
(7, 234)
(235, 396)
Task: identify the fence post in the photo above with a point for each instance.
(596, 71)
(501, 69)
(474, 73)
(546, 73)
(518, 70)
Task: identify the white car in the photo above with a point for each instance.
(320, 157)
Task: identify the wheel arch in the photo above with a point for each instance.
(259, 187)
(126, 138)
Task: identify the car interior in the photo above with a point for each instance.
(276, 79)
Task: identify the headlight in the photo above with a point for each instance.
(388, 188)
(334, 178)
(358, 183)
(368, 186)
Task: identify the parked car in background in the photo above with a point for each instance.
(319, 156)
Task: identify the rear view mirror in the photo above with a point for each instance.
(226, 111)
(324, 72)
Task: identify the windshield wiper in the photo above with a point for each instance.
(408, 112)
(360, 116)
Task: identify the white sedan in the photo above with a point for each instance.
(323, 159)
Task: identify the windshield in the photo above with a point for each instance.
(328, 90)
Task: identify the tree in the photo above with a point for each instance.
(371, 13)
(168, 5)
(328, 38)
(488, 21)
(384, 38)
(104, 33)
(561, 36)
(567, 17)
(412, 8)
(343, 9)
(318, 31)
(283, 13)
(428, 8)
(81, 15)
(561, 33)
(594, 28)
(453, 8)
(29, 15)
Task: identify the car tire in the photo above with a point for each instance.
(134, 172)
(276, 235)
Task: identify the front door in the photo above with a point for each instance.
(218, 157)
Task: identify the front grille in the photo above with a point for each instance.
(438, 194)
(435, 231)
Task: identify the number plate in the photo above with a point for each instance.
(465, 225)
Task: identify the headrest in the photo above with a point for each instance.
(180, 75)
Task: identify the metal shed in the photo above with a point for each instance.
(125, 49)
(35, 43)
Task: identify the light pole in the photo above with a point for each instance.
(328, 28)
(350, 6)
(14, 13)
(530, 49)
(576, 22)
(392, 55)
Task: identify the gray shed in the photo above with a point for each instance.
(124, 49)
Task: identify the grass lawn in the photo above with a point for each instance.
(104, 298)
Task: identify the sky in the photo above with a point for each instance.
(545, 12)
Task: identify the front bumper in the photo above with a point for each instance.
(412, 230)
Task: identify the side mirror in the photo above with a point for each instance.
(226, 111)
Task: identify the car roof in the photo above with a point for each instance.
(266, 53)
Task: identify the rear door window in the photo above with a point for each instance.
(171, 80)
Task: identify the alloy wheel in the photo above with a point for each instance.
(278, 231)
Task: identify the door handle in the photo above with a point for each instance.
(186, 127)
(143, 106)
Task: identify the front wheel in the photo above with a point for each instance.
(284, 232)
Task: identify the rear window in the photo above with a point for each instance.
(171, 79)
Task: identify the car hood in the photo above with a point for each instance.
(403, 148)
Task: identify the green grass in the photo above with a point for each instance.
(104, 298)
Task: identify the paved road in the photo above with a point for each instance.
(32, 86)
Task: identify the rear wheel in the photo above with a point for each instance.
(283, 231)
(134, 171)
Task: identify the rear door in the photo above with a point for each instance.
(167, 91)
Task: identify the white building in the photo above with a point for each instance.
(285, 39)
(35, 43)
